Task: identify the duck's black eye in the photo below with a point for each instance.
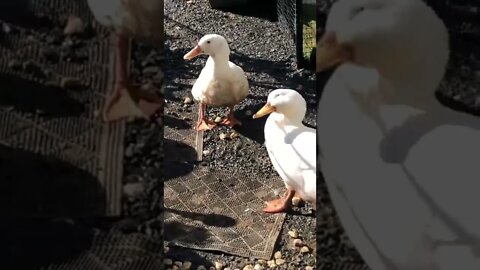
(208, 41)
(359, 9)
(356, 11)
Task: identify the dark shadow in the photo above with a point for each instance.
(32, 185)
(265, 9)
(251, 128)
(173, 228)
(174, 169)
(32, 97)
(216, 220)
(21, 14)
(175, 123)
(33, 243)
(176, 151)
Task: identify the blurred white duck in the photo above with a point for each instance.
(139, 19)
(220, 83)
(402, 170)
(291, 147)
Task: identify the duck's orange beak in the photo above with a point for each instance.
(330, 53)
(193, 53)
(266, 109)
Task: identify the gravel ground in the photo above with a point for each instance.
(266, 54)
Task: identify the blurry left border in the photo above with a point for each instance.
(81, 130)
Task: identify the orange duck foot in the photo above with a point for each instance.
(131, 103)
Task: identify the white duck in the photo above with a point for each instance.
(291, 147)
(220, 83)
(401, 169)
(139, 19)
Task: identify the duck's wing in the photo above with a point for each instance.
(303, 141)
(445, 165)
(445, 169)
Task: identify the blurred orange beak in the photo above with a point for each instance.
(193, 53)
(330, 53)
(266, 109)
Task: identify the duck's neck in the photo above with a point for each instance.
(220, 61)
(411, 80)
(293, 120)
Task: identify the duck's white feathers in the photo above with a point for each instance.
(139, 19)
(218, 86)
(293, 154)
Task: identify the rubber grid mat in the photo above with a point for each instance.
(83, 139)
(182, 142)
(211, 210)
(115, 251)
(342, 266)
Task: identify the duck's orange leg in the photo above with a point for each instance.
(280, 205)
(127, 101)
(204, 123)
(231, 120)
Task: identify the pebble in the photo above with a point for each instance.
(297, 242)
(74, 25)
(218, 265)
(206, 152)
(296, 201)
(293, 234)
(167, 262)
(233, 135)
(248, 267)
(187, 100)
(218, 119)
(186, 265)
(277, 255)
(71, 83)
(279, 261)
(14, 64)
(262, 262)
(309, 268)
(271, 263)
(178, 263)
(304, 249)
(223, 136)
(258, 267)
(132, 190)
(166, 249)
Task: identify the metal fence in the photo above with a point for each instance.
(294, 17)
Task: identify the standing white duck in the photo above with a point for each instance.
(401, 169)
(139, 19)
(220, 83)
(291, 147)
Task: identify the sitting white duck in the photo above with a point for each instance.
(401, 169)
(220, 83)
(142, 20)
(291, 147)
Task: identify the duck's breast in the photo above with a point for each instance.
(219, 88)
(285, 156)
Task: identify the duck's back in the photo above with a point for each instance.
(139, 19)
